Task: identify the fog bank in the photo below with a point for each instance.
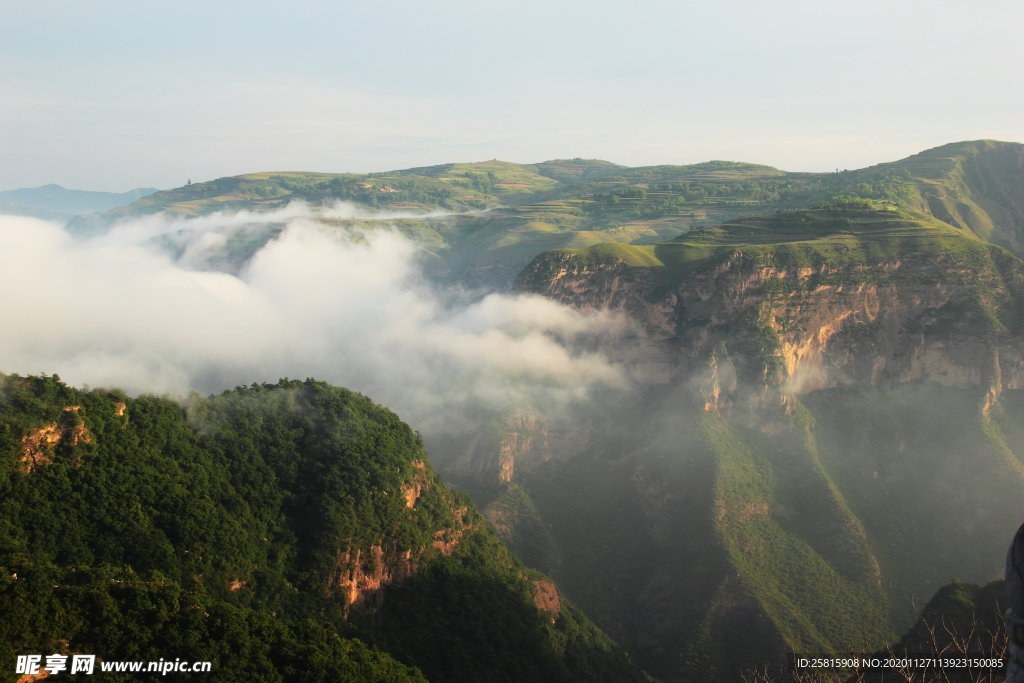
(313, 301)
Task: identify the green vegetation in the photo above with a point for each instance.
(571, 204)
(735, 537)
(822, 598)
(914, 464)
(513, 515)
(546, 266)
(285, 532)
(454, 187)
(130, 617)
(962, 608)
(961, 624)
(596, 539)
(855, 243)
(973, 186)
(705, 539)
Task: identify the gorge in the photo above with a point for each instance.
(796, 416)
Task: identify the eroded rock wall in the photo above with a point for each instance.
(904, 320)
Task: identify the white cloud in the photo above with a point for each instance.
(312, 302)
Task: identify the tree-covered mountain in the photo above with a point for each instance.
(286, 532)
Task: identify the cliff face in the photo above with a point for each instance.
(915, 318)
(37, 447)
(822, 432)
(512, 446)
(360, 577)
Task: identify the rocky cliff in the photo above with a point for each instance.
(822, 431)
(947, 316)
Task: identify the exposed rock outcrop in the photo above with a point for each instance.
(412, 491)
(37, 447)
(892, 322)
(802, 416)
(514, 445)
(360, 575)
(546, 596)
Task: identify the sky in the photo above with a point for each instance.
(111, 95)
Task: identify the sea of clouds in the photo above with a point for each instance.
(316, 301)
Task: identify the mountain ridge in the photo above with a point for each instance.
(531, 208)
(54, 197)
(828, 382)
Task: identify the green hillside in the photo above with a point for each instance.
(451, 187)
(854, 235)
(976, 186)
(959, 636)
(825, 429)
(287, 532)
(531, 208)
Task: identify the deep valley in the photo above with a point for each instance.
(814, 426)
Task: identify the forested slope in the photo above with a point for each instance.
(287, 532)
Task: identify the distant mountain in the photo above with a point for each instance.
(35, 212)
(574, 203)
(56, 198)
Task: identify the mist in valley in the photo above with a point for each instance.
(168, 306)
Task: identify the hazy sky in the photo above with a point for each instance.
(115, 95)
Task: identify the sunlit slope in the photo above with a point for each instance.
(474, 240)
(723, 542)
(977, 186)
(936, 483)
(451, 187)
(849, 236)
(708, 547)
(974, 186)
(858, 506)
